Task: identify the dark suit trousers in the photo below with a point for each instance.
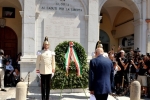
(101, 96)
(45, 86)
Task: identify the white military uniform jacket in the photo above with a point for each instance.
(45, 62)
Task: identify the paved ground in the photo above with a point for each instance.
(34, 94)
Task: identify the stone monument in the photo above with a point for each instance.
(61, 20)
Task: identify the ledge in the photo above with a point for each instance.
(78, 90)
(69, 90)
(57, 91)
(29, 61)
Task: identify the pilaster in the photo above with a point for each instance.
(93, 25)
(140, 28)
(29, 28)
(144, 27)
(22, 40)
(148, 9)
(27, 63)
(137, 33)
(148, 25)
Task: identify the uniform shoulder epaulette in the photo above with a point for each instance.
(39, 52)
(53, 53)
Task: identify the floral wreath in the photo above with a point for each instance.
(72, 75)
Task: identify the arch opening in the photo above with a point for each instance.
(9, 10)
(117, 20)
(8, 41)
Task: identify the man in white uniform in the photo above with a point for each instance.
(2, 69)
(45, 65)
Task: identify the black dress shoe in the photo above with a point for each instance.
(3, 90)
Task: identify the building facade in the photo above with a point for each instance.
(25, 23)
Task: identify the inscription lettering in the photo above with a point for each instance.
(62, 5)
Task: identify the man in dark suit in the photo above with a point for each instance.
(101, 75)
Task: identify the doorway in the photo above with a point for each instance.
(8, 41)
(104, 38)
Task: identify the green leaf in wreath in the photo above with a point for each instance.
(60, 79)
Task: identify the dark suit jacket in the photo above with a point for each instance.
(101, 75)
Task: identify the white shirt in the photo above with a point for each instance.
(10, 61)
(9, 67)
(105, 55)
(115, 70)
(14, 73)
(1, 65)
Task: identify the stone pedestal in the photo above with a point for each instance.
(135, 91)
(21, 91)
(27, 65)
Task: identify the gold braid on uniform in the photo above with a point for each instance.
(46, 40)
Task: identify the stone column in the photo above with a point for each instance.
(29, 28)
(93, 26)
(140, 35)
(140, 30)
(27, 63)
(148, 26)
(144, 28)
(137, 33)
(22, 15)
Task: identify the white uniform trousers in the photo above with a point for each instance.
(2, 77)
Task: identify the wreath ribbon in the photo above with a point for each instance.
(71, 55)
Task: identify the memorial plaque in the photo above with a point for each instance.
(66, 31)
(63, 21)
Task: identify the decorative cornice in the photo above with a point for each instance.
(100, 17)
(37, 15)
(86, 17)
(84, 6)
(138, 22)
(124, 22)
(147, 20)
(22, 13)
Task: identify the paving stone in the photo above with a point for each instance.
(34, 94)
